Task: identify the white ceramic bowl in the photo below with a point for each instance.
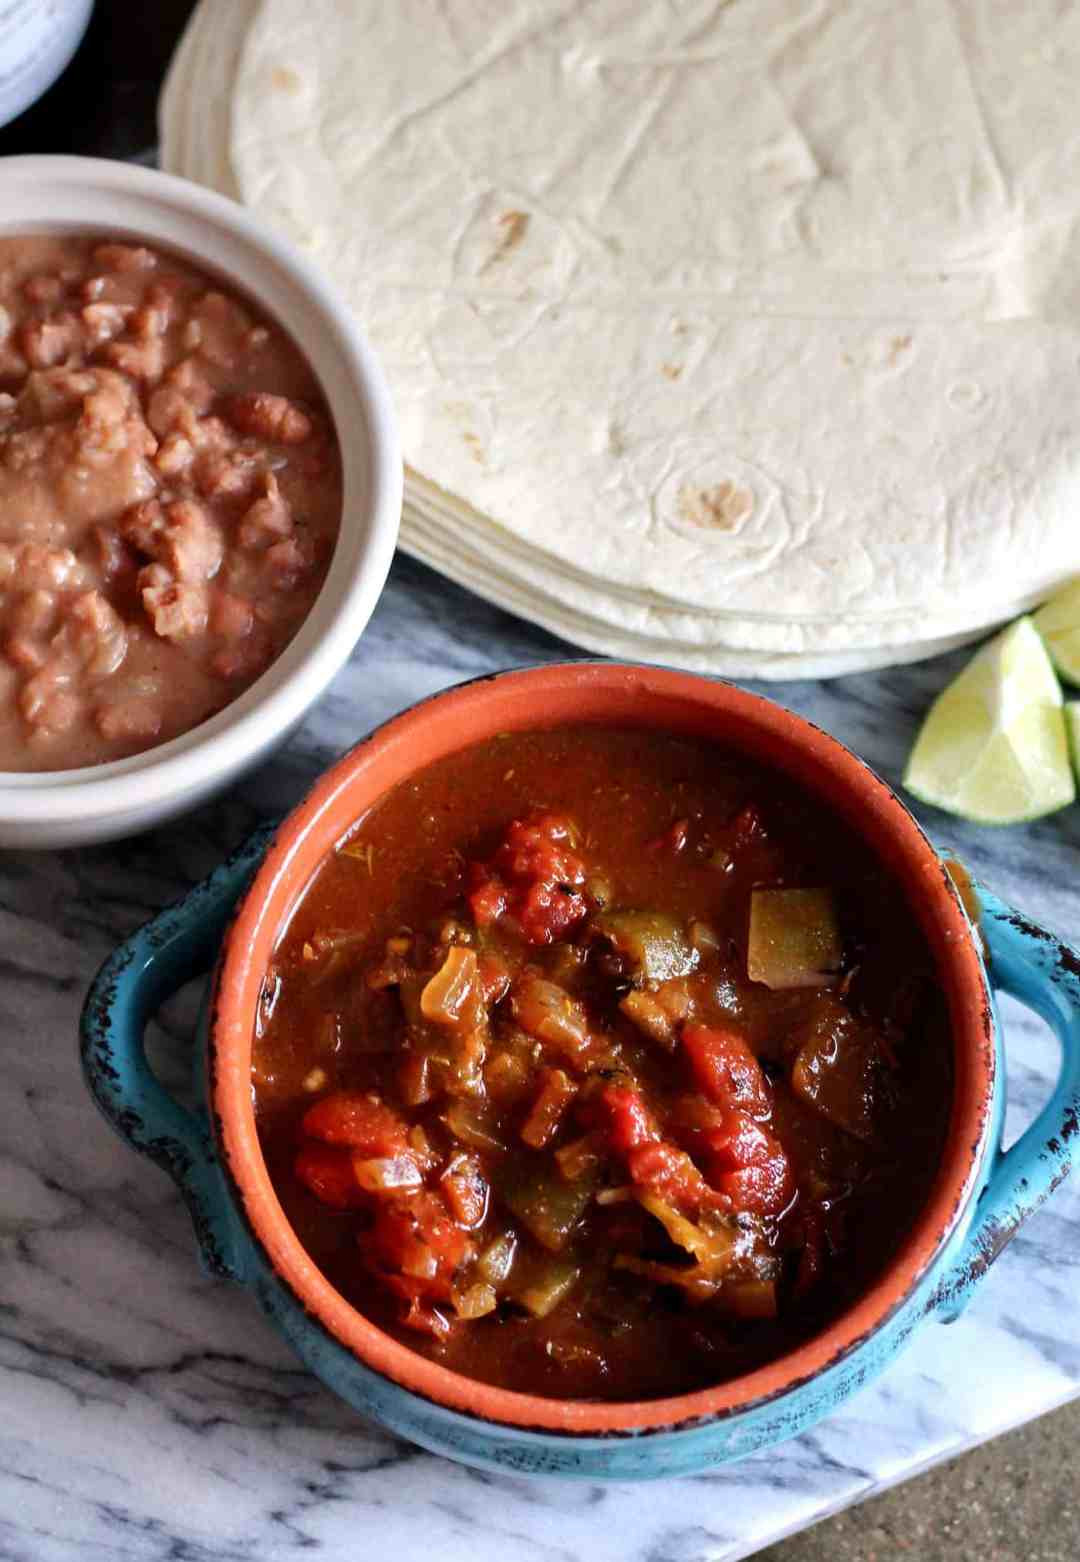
(37, 42)
(88, 195)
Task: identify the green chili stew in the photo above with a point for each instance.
(601, 1064)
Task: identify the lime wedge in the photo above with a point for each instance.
(1072, 725)
(993, 747)
(1058, 621)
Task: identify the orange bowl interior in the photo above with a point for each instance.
(614, 695)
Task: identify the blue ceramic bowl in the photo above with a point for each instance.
(981, 1197)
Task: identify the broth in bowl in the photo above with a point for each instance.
(601, 1064)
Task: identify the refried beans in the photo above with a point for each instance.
(170, 494)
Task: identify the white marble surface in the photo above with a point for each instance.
(150, 1413)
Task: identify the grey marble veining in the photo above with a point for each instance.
(151, 1414)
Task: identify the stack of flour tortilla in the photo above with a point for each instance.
(740, 336)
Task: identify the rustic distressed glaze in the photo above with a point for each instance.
(978, 1201)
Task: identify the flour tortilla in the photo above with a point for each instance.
(453, 535)
(687, 349)
(504, 556)
(194, 121)
(474, 571)
(195, 106)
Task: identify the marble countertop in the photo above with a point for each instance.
(150, 1413)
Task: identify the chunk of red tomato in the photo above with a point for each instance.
(360, 1122)
(621, 1111)
(725, 1070)
(764, 1190)
(415, 1238)
(738, 1141)
(748, 1164)
(669, 1172)
(631, 1130)
(417, 1313)
(535, 877)
(547, 911)
(489, 898)
(328, 1174)
(691, 1120)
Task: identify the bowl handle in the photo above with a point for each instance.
(1043, 973)
(179, 943)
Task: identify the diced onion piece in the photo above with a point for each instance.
(420, 1145)
(650, 1017)
(547, 1287)
(465, 1190)
(386, 1173)
(414, 1078)
(451, 996)
(598, 889)
(474, 1123)
(674, 998)
(713, 1250)
(794, 938)
(420, 1263)
(549, 1013)
(476, 1301)
(556, 1092)
(507, 1077)
(750, 1298)
(581, 1158)
(621, 1195)
(465, 1070)
(497, 1260)
(652, 943)
(704, 938)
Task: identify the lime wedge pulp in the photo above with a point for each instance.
(1072, 724)
(993, 747)
(1058, 621)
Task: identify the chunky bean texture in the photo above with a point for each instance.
(170, 495)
